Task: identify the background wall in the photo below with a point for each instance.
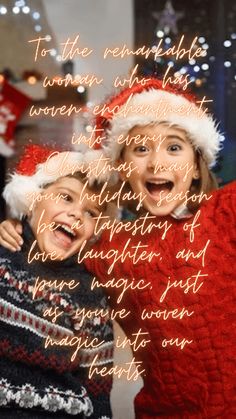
(101, 24)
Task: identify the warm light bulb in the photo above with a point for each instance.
(198, 82)
(32, 80)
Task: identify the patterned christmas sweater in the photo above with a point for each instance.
(53, 381)
(186, 304)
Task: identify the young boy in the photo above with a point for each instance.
(47, 343)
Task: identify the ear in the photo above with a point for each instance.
(196, 173)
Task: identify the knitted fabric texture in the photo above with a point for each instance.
(44, 382)
(196, 380)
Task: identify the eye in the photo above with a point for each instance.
(141, 149)
(91, 213)
(67, 198)
(174, 147)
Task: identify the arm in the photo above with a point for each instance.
(10, 235)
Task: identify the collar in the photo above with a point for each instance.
(180, 212)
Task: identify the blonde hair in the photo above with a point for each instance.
(205, 184)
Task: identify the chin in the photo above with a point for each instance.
(162, 211)
(64, 254)
(59, 252)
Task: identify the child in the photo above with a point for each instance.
(189, 307)
(185, 301)
(45, 347)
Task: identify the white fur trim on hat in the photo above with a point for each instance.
(151, 107)
(20, 189)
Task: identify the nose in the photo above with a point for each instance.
(156, 161)
(76, 212)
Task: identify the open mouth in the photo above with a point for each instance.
(155, 186)
(64, 235)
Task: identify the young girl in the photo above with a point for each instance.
(44, 361)
(188, 304)
(178, 256)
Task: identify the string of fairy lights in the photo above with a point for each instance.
(200, 70)
(166, 29)
(20, 7)
(196, 70)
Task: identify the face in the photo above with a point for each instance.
(165, 166)
(61, 221)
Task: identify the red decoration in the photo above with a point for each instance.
(12, 105)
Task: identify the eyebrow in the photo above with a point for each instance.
(166, 137)
(66, 189)
(98, 209)
(172, 136)
(69, 190)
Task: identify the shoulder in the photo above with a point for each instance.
(220, 205)
(13, 260)
(226, 192)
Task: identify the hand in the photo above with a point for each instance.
(10, 235)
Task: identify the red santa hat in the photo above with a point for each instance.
(40, 166)
(153, 103)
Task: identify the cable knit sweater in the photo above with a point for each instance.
(43, 382)
(191, 298)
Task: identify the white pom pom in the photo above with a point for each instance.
(18, 194)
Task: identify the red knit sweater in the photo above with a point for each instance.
(198, 381)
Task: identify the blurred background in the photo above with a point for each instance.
(101, 24)
(98, 24)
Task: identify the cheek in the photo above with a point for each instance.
(89, 229)
(34, 218)
(127, 156)
(140, 163)
(184, 179)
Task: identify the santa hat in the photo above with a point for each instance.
(152, 103)
(40, 166)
